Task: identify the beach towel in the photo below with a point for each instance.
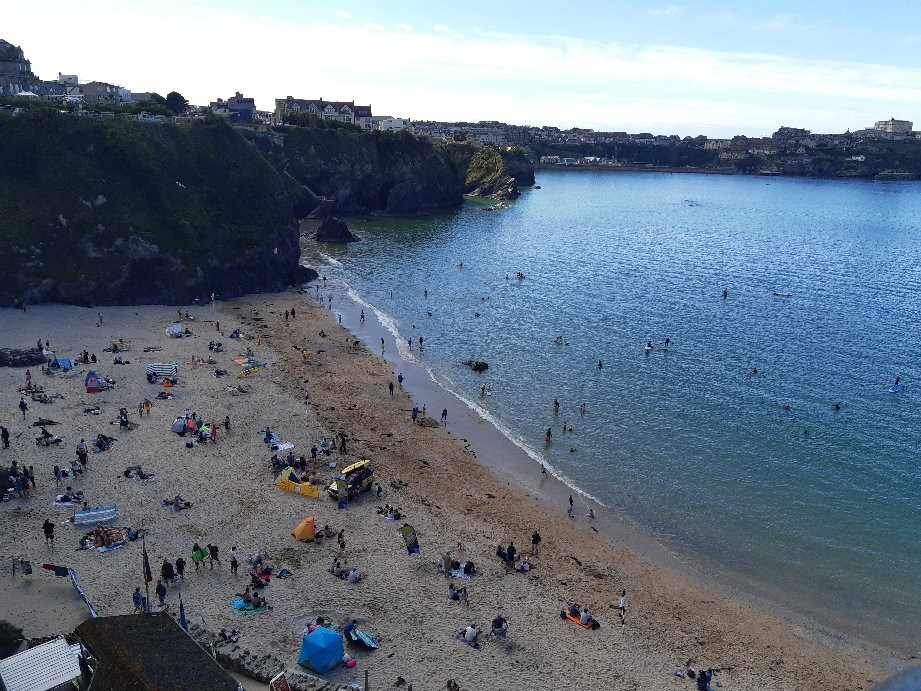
(274, 436)
(477, 645)
(100, 515)
(246, 607)
(364, 639)
(67, 503)
(284, 446)
(110, 547)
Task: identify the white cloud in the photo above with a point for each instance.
(403, 26)
(667, 11)
(343, 14)
(442, 74)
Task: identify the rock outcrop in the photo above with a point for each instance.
(344, 172)
(334, 230)
(477, 365)
(496, 173)
(32, 357)
(97, 212)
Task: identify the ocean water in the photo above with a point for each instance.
(757, 473)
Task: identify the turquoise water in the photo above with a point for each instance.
(689, 442)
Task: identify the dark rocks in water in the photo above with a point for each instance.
(302, 274)
(477, 365)
(334, 230)
(31, 357)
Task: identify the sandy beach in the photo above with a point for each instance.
(448, 495)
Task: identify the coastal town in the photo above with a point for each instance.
(887, 149)
(238, 456)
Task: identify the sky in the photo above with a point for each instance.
(715, 68)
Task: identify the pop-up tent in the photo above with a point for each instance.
(306, 530)
(321, 649)
(92, 383)
(61, 363)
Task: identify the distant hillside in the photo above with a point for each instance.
(114, 212)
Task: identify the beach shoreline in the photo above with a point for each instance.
(450, 497)
(512, 459)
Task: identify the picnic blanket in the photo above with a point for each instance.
(246, 607)
(99, 515)
(477, 645)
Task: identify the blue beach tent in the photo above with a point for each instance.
(321, 649)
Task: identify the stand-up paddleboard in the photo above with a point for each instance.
(895, 388)
(783, 294)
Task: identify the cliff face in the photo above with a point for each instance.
(95, 212)
(353, 173)
(493, 172)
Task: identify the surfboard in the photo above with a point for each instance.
(895, 388)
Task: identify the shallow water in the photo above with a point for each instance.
(689, 442)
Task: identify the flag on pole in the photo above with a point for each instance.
(148, 576)
(183, 622)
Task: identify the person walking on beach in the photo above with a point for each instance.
(30, 473)
(180, 568)
(213, 555)
(227, 424)
(5, 436)
(233, 561)
(535, 543)
(340, 538)
(390, 386)
(287, 314)
(48, 530)
(361, 319)
(400, 378)
(57, 475)
(444, 417)
(292, 313)
(548, 436)
(415, 413)
(622, 606)
(167, 572)
(382, 346)
(23, 407)
(161, 592)
(138, 600)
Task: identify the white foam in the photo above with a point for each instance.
(449, 386)
(330, 260)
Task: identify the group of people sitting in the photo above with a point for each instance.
(394, 513)
(513, 558)
(138, 472)
(215, 347)
(458, 594)
(581, 613)
(344, 572)
(45, 438)
(107, 537)
(254, 598)
(69, 497)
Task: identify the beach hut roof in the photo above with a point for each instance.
(139, 652)
(42, 667)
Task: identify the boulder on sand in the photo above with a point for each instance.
(334, 230)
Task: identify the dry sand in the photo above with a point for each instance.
(447, 494)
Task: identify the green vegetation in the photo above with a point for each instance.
(80, 197)
(485, 169)
(315, 122)
(176, 102)
(369, 172)
(10, 637)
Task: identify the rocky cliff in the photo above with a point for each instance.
(493, 172)
(97, 212)
(354, 173)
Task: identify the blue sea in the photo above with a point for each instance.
(756, 472)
